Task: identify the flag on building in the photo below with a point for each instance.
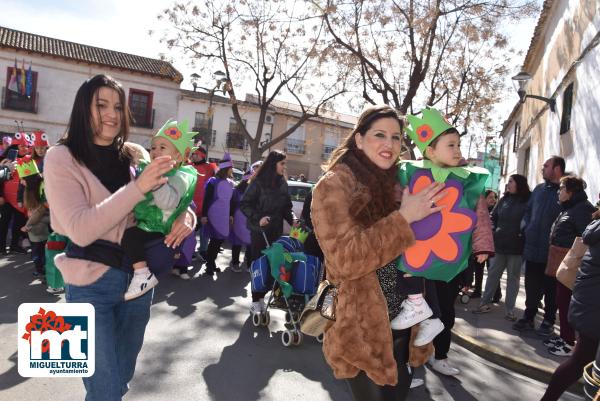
(22, 80)
(12, 82)
(29, 81)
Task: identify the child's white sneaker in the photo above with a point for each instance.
(429, 329)
(140, 284)
(257, 307)
(412, 313)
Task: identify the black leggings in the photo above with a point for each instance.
(364, 389)
(572, 369)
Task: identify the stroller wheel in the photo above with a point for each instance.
(297, 338)
(288, 318)
(465, 298)
(287, 338)
(320, 338)
(256, 319)
(265, 318)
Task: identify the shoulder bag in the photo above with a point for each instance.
(319, 310)
(570, 264)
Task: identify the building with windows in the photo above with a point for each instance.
(152, 87)
(58, 68)
(563, 61)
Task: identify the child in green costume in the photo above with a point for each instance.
(444, 240)
(155, 214)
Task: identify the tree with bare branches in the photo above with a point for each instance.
(272, 44)
(451, 54)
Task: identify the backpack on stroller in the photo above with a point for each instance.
(291, 275)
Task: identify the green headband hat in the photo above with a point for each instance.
(177, 133)
(26, 166)
(424, 130)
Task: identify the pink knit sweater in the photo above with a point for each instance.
(84, 210)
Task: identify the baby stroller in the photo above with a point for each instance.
(292, 278)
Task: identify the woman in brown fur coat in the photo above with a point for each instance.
(362, 231)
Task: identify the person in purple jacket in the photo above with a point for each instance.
(217, 211)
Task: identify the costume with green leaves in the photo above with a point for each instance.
(443, 239)
(281, 263)
(148, 215)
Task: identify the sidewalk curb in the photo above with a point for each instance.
(514, 363)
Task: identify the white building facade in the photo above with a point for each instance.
(563, 60)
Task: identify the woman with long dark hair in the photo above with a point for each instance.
(266, 203)
(362, 231)
(508, 242)
(92, 194)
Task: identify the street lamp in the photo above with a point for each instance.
(522, 81)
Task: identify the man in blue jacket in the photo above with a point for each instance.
(542, 209)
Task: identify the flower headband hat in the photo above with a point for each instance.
(177, 133)
(26, 166)
(424, 130)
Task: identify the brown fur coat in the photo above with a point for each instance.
(360, 338)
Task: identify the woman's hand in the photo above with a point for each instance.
(417, 206)
(152, 176)
(203, 220)
(182, 227)
(264, 221)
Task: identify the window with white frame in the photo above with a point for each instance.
(296, 141)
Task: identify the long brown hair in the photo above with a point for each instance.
(32, 197)
(364, 123)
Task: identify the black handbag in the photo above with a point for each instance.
(319, 310)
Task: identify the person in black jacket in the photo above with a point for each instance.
(570, 223)
(583, 316)
(266, 203)
(508, 242)
(542, 210)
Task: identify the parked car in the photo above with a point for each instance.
(298, 191)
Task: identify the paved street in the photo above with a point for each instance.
(200, 345)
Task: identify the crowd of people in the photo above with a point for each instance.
(398, 266)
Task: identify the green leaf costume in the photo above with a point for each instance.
(281, 263)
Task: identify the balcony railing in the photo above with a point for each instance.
(295, 146)
(236, 140)
(19, 103)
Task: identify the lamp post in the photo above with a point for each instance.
(521, 81)
(220, 79)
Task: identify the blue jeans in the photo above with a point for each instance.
(120, 328)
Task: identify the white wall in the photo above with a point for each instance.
(57, 83)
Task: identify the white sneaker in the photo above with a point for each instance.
(185, 276)
(53, 290)
(411, 314)
(429, 329)
(416, 382)
(442, 366)
(255, 308)
(140, 284)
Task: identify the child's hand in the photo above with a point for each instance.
(24, 229)
(204, 220)
(230, 220)
(20, 204)
(482, 257)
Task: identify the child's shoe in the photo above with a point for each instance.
(429, 329)
(257, 307)
(140, 284)
(413, 311)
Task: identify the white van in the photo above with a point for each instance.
(298, 191)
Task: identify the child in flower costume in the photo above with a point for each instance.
(446, 239)
(156, 214)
